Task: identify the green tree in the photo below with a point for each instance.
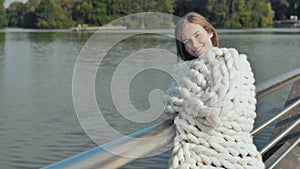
(156, 20)
(67, 6)
(30, 18)
(50, 16)
(3, 20)
(262, 15)
(80, 12)
(281, 8)
(218, 12)
(240, 14)
(15, 14)
(120, 8)
(294, 8)
(165, 6)
(42, 14)
(230, 13)
(92, 12)
(182, 7)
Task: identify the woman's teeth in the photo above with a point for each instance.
(199, 49)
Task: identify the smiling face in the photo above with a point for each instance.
(196, 39)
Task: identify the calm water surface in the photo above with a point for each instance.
(38, 123)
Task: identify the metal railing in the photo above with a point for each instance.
(128, 149)
(281, 156)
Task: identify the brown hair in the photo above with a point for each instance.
(196, 18)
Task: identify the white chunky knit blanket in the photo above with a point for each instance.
(214, 96)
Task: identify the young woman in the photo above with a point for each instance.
(213, 98)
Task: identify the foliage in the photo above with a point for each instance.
(3, 20)
(184, 6)
(230, 13)
(29, 15)
(14, 14)
(281, 8)
(100, 13)
(218, 12)
(92, 12)
(264, 18)
(49, 15)
(293, 9)
(222, 13)
(285, 8)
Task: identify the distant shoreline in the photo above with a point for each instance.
(285, 30)
(287, 23)
(96, 28)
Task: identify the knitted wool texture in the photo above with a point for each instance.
(214, 96)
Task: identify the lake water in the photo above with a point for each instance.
(38, 121)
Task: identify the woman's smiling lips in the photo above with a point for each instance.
(198, 51)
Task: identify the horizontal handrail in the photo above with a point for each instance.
(269, 122)
(281, 156)
(279, 137)
(128, 149)
(117, 153)
(268, 86)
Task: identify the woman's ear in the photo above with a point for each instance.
(210, 34)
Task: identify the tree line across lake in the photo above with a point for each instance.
(55, 14)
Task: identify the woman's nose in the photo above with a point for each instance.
(195, 42)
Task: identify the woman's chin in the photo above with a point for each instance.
(199, 54)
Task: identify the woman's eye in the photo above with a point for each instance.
(198, 35)
(186, 41)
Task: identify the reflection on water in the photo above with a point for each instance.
(269, 54)
(141, 85)
(38, 124)
(36, 111)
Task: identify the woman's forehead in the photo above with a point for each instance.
(190, 29)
